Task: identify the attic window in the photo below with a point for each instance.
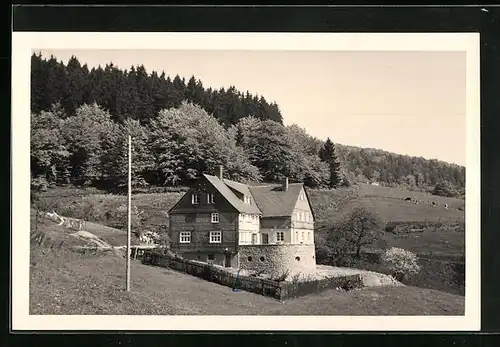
(210, 198)
(302, 196)
(195, 199)
(248, 200)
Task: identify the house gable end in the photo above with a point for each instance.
(202, 187)
(309, 202)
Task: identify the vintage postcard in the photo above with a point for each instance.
(244, 181)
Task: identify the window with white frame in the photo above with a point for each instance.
(309, 236)
(195, 199)
(215, 218)
(210, 198)
(302, 236)
(185, 237)
(302, 196)
(215, 236)
(280, 236)
(247, 199)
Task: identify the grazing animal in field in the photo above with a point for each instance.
(408, 199)
(446, 206)
(433, 203)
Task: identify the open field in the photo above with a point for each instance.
(110, 209)
(441, 244)
(441, 252)
(64, 282)
(387, 202)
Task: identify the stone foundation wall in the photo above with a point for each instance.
(277, 259)
(278, 290)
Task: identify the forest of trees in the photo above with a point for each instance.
(135, 93)
(81, 118)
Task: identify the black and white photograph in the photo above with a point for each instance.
(246, 181)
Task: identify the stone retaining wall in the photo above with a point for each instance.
(278, 290)
(278, 259)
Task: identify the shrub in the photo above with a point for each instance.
(39, 184)
(402, 263)
(281, 277)
(445, 188)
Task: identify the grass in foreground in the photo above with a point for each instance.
(64, 282)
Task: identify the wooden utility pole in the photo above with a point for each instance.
(129, 210)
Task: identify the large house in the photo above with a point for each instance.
(263, 227)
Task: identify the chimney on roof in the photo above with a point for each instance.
(218, 172)
(284, 184)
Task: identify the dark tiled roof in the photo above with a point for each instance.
(230, 196)
(273, 201)
(270, 199)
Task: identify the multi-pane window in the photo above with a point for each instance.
(215, 218)
(215, 237)
(302, 196)
(210, 198)
(195, 199)
(185, 237)
(280, 236)
(248, 199)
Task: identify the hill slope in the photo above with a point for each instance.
(66, 282)
(69, 283)
(388, 202)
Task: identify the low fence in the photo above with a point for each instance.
(277, 290)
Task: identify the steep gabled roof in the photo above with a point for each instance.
(230, 196)
(273, 201)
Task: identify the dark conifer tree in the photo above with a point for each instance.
(327, 154)
(76, 81)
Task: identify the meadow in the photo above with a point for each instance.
(64, 282)
(441, 249)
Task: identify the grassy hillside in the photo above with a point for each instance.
(388, 202)
(441, 250)
(66, 282)
(110, 209)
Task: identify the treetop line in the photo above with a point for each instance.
(81, 119)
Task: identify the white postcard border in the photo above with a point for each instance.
(24, 43)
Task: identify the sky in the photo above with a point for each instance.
(400, 101)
